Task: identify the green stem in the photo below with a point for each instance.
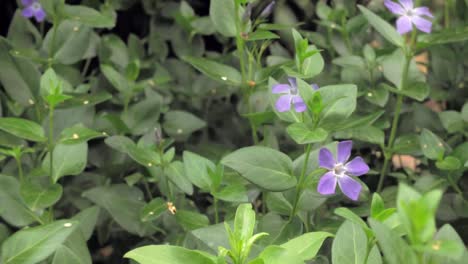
(300, 182)
(215, 204)
(399, 102)
(455, 187)
(147, 188)
(51, 143)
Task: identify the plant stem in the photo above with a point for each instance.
(215, 204)
(51, 144)
(447, 5)
(147, 188)
(396, 116)
(300, 182)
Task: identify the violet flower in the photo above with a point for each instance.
(268, 9)
(340, 171)
(290, 95)
(409, 16)
(33, 9)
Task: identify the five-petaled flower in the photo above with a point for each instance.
(340, 171)
(409, 16)
(32, 8)
(290, 95)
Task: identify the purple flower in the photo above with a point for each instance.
(33, 9)
(290, 95)
(267, 10)
(410, 16)
(340, 171)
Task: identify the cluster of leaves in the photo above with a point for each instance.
(179, 154)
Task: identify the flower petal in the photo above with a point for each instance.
(40, 15)
(407, 4)
(315, 86)
(28, 12)
(422, 24)
(394, 7)
(283, 104)
(280, 88)
(422, 11)
(344, 151)
(357, 167)
(327, 184)
(293, 82)
(404, 25)
(299, 104)
(350, 187)
(326, 159)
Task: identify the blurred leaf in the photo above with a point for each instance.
(383, 27)
(32, 245)
(89, 16)
(164, 254)
(13, 210)
(67, 160)
(216, 71)
(300, 133)
(22, 128)
(181, 124)
(39, 197)
(196, 169)
(265, 167)
(307, 245)
(152, 210)
(191, 220)
(348, 244)
(177, 175)
(223, 16)
(431, 145)
(78, 134)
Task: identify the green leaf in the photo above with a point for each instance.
(340, 101)
(164, 254)
(307, 245)
(447, 247)
(244, 222)
(276, 255)
(13, 209)
(32, 245)
(393, 71)
(71, 45)
(67, 160)
(78, 134)
(265, 167)
(300, 133)
(431, 145)
(262, 35)
(180, 124)
(144, 156)
(80, 100)
(383, 27)
(196, 169)
(223, 16)
(89, 16)
(19, 77)
(176, 174)
(452, 121)
(191, 220)
(22, 128)
(377, 205)
(73, 251)
(216, 71)
(40, 197)
(394, 248)
(449, 35)
(349, 245)
(350, 61)
(123, 203)
(115, 78)
(153, 210)
(353, 217)
(233, 193)
(449, 163)
(415, 90)
(374, 256)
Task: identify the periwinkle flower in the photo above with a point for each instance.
(340, 171)
(290, 95)
(409, 16)
(32, 8)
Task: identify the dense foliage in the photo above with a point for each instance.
(234, 131)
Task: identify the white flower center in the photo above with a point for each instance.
(339, 170)
(36, 6)
(409, 13)
(293, 90)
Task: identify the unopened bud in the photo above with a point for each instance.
(158, 135)
(267, 10)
